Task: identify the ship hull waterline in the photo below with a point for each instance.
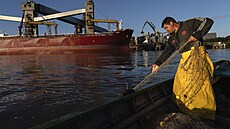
(59, 44)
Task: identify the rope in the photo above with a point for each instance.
(197, 64)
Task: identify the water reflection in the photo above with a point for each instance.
(57, 84)
(37, 88)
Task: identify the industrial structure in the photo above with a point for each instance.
(31, 20)
(150, 41)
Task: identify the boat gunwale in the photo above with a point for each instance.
(78, 115)
(69, 118)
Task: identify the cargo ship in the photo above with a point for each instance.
(94, 38)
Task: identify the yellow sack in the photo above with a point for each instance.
(192, 87)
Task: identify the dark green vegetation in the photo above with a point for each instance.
(225, 40)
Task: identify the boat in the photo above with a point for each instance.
(150, 108)
(116, 41)
(94, 38)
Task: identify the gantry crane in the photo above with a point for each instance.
(48, 24)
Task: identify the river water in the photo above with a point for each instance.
(38, 88)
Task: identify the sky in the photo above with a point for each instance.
(133, 13)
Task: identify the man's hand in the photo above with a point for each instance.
(192, 39)
(154, 68)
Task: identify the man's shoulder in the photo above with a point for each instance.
(196, 18)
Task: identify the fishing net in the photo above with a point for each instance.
(195, 66)
(192, 88)
(183, 121)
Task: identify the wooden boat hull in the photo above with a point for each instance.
(144, 109)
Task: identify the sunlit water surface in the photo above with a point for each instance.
(38, 88)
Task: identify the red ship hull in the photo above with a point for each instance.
(117, 40)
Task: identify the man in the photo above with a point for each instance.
(192, 88)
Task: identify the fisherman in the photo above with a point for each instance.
(193, 92)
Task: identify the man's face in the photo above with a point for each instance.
(169, 27)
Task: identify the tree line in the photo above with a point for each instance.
(225, 40)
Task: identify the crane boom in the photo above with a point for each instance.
(151, 25)
(156, 37)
